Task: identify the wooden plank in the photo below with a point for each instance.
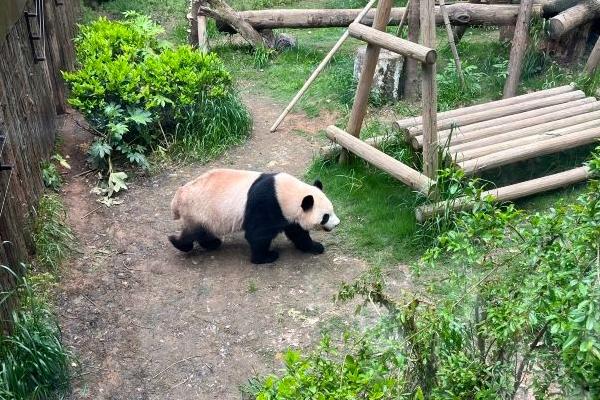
(366, 76)
(516, 129)
(510, 144)
(393, 43)
(532, 150)
(496, 113)
(413, 121)
(498, 124)
(395, 168)
(429, 93)
(518, 48)
(510, 192)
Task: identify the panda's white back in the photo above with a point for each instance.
(215, 200)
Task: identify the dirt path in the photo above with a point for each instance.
(148, 322)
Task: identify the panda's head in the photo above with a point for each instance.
(317, 210)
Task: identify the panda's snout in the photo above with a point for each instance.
(331, 223)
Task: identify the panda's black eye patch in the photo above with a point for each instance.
(325, 219)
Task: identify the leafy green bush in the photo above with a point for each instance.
(139, 93)
(509, 297)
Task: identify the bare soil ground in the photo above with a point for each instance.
(148, 322)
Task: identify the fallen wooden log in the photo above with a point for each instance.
(496, 113)
(508, 193)
(458, 13)
(532, 150)
(413, 121)
(573, 17)
(398, 170)
(520, 141)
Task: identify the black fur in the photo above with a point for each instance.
(264, 220)
(318, 184)
(185, 242)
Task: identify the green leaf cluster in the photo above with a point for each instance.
(137, 92)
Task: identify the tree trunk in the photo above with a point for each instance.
(218, 9)
(518, 48)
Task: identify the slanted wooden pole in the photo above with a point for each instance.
(429, 89)
(511, 192)
(457, 62)
(594, 59)
(411, 67)
(320, 68)
(403, 20)
(518, 48)
(397, 169)
(365, 82)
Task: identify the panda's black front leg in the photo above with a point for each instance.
(302, 240)
(259, 247)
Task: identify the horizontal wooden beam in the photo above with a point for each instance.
(496, 113)
(498, 124)
(510, 156)
(398, 170)
(518, 141)
(526, 127)
(508, 193)
(413, 121)
(393, 43)
(459, 14)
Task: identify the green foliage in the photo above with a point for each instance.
(451, 93)
(51, 174)
(33, 362)
(52, 236)
(139, 93)
(507, 295)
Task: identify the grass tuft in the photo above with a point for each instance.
(52, 236)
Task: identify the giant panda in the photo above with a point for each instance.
(223, 201)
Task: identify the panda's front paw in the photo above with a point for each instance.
(267, 258)
(317, 248)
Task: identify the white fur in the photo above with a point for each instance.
(217, 201)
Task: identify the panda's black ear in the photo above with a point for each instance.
(308, 202)
(318, 184)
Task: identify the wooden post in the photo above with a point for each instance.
(193, 21)
(457, 62)
(202, 34)
(320, 68)
(411, 67)
(365, 82)
(592, 62)
(517, 50)
(430, 140)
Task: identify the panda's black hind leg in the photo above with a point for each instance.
(302, 240)
(185, 241)
(207, 240)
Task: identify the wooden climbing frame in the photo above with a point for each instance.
(376, 39)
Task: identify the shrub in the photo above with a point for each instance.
(509, 296)
(139, 93)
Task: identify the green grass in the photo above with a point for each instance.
(33, 362)
(52, 236)
(376, 211)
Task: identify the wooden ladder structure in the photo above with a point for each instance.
(476, 138)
